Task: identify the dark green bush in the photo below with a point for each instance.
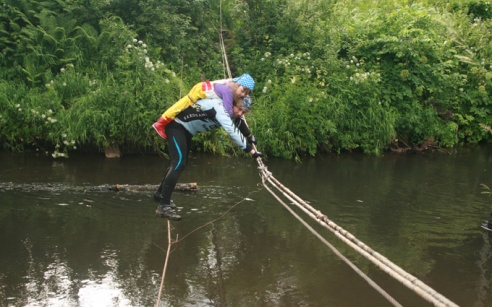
(330, 76)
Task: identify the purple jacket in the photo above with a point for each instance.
(225, 92)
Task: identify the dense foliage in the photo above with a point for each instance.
(331, 76)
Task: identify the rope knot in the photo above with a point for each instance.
(265, 172)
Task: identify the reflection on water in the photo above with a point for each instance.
(57, 287)
(89, 247)
(105, 290)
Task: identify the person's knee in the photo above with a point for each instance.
(179, 167)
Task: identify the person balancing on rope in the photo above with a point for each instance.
(226, 89)
(202, 116)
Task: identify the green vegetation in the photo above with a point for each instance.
(332, 76)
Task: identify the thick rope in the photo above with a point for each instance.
(336, 252)
(380, 261)
(266, 174)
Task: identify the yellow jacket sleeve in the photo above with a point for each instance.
(199, 91)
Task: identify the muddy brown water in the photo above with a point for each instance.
(63, 243)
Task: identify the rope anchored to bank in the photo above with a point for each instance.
(410, 281)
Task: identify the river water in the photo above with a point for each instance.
(66, 240)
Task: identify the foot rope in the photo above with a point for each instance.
(169, 244)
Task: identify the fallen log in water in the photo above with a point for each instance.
(126, 187)
(58, 187)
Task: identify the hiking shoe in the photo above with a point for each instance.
(158, 198)
(167, 212)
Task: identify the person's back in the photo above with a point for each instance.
(208, 114)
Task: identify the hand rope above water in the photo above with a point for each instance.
(382, 262)
(222, 46)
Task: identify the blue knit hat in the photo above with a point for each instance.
(245, 80)
(247, 102)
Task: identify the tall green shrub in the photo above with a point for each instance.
(414, 49)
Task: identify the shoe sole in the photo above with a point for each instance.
(171, 218)
(157, 199)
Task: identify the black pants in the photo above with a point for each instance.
(178, 146)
